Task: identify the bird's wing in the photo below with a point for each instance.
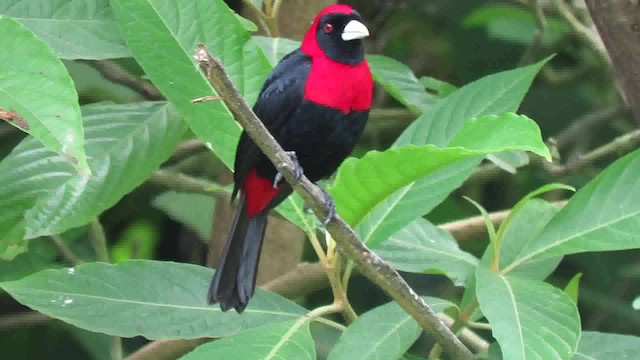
(280, 97)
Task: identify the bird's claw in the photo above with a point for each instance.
(329, 207)
(297, 169)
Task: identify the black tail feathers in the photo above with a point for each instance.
(235, 279)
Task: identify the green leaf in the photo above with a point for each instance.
(602, 216)
(509, 161)
(157, 300)
(400, 82)
(32, 174)
(362, 184)
(193, 210)
(494, 243)
(38, 93)
(422, 247)
(246, 23)
(573, 288)
(276, 48)
(601, 346)
(529, 319)
(162, 44)
(389, 330)
(286, 340)
(509, 130)
(75, 29)
(515, 24)
(436, 86)
(523, 227)
(493, 94)
(125, 143)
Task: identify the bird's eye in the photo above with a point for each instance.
(328, 28)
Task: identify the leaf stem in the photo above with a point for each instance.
(64, 250)
(98, 240)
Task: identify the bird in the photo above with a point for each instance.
(315, 103)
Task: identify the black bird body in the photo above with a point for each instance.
(313, 103)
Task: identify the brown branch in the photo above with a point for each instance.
(474, 227)
(618, 22)
(585, 124)
(117, 74)
(23, 319)
(618, 146)
(538, 37)
(64, 250)
(184, 183)
(166, 349)
(369, 264)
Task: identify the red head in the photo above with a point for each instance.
(336, 33)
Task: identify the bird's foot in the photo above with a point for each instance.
(297, 169)
(329, 207)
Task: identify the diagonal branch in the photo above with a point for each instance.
(369, 264)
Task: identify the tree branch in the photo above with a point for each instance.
(541, 28)
(369, 264)
(117, 74)
(618, 22)
(619, 145)
(178, 181)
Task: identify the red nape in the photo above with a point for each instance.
(259, 192)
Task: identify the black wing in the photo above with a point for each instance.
(280, 97)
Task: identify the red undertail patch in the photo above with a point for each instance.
(259, 192)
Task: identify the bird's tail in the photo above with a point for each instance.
(235, 279)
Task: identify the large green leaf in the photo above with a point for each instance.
(362, 184)
(523, 229)
(157, 300)
(164, 46)
(530, 319)
(125, 143)
(75, 29)
(493, 94)
(286, 340)
(400, 82)
(424, 248)
(385, 332)
(515, 24)
(601, 346)
(38, 93)
(602, 216)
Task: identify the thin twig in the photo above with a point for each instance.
(117, 74)
(369, 264)
(541, 27)
(185, 183)
(585, 124)
(618, 146)
(99, 240)
(590, 36)
(22, 320)
(259, 16)
(64, 250)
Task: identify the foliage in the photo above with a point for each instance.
(81, 161)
